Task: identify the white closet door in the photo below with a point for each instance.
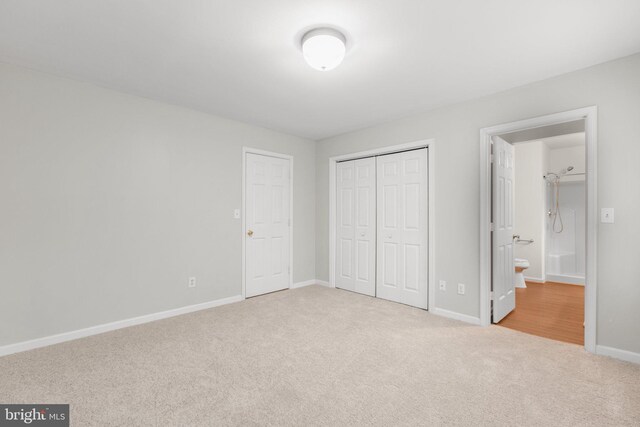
(356, 232)
(268, 224)
(402, 227)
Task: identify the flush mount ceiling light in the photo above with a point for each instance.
(323, 48)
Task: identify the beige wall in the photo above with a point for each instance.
(110, 202)
(615, 88)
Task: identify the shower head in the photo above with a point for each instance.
(555, 177)
(565, 171)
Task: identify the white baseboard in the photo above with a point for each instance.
(309, 282)
(570, 280)
(323, 283)
(534, 279)
(616, 353)
(303, 284)
(457, 316)
(107, 327)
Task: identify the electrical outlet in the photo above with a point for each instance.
(443, 285)
(192, 282)
(460, 288)
(236, 213)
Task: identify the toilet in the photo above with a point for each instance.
(520, 265)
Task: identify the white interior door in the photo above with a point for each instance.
(356, 226)
(504, 295)
(402, 227)
(268, 224)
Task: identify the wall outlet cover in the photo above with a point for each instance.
(606, 215)
(461, 288)
(192, 282)
(443, 285)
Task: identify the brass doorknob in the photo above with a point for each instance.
(250, 233)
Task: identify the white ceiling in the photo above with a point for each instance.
(569, 140)
(565, 141)
(241, 58)
(535, 134)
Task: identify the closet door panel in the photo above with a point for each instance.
(356, 232)
(345, 237)
(402, 229)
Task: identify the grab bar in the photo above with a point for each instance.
(524, 241)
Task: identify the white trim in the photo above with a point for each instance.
(457, 316)
(569, 280)
(245, 151)
(332, 221)
(628, 356)
(534, 279)
(430, 145)
(431, 285)
(303, 284)
(309, 283)
(589, 114)
(112, 326)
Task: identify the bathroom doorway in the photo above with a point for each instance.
(549, 231)
(539, 200)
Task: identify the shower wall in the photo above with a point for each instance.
(566, 250)
(560, 158)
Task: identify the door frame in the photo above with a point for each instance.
(590, 116)
(249, 150)
(429, 144)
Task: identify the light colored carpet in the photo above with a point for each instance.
(320, 356)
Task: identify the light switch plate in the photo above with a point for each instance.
(236, 213)
(443, 285)
(606, 215)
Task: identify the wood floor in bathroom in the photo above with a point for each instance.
(550, 310)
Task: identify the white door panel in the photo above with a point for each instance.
(356, 204)
(402, 229)
(504, 295)
(268, 229)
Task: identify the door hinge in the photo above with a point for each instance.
(491, 227)
(491, 158)
(491, 296)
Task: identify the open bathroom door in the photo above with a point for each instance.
(503, 280)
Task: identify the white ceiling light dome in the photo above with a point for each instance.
(324, 48)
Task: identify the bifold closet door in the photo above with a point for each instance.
(356, 226)
(402, 227)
